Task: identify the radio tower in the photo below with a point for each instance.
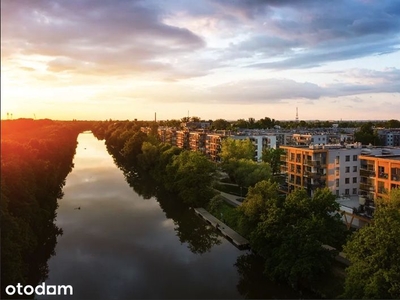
(297, 114)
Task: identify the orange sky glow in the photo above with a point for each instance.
(121, 59)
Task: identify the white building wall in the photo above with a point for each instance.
(344, 171)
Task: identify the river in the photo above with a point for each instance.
(117, 244)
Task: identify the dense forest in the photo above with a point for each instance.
(36, 157)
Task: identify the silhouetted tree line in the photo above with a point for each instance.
(176, 178)
(36, 157)
(186, 173)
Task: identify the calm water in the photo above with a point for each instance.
(119, 245)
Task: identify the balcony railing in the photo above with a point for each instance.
(315, 175)
(367, 173)
(283, 157)
(383, 175)
(396, 177)
(367, 187)
(315, 163)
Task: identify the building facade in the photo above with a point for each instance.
(315, 166)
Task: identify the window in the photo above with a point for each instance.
(355, 191)
(337, 159)
(347, 157)
(355, 157)
(337, 193)
(347, 191)
(354, 179)
(354, 168)
(347, 169)
(337, 182)
(347, 180)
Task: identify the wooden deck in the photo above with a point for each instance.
(228, 232)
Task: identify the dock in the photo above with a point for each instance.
(234, 237)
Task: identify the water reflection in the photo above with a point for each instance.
(121, 246)
(189, 228)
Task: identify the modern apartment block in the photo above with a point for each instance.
(213, 146)
(380, 172)
(197, 141)
(319, 166)
(390, 138)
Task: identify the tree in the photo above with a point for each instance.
(191, 175)
(236, 149)
(289, 233)
(273, 157)
(375, 256)
(393, 123)
(366, 135)
(241, 123)
(247, 172)
(220, 124)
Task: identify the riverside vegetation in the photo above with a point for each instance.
(36, 157)
(286, 232)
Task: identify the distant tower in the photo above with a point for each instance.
(155, 117)
(297, 114)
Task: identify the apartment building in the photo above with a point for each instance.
(379, 172)
(390, 138)
(197, 141)
(213, 146)
(167, 135)
(319, 166)
(182, 139)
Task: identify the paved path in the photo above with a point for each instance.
(228, 232)
(231, 199)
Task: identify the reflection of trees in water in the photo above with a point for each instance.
(255, 284)
(190, 229)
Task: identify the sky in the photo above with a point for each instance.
(230, 59)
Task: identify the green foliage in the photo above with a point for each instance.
(393, 124)
(374, 254)
(273, 158)
(191, 175)
(215, 204)
(220, 124)
(289, 233)
(236, 149)
(36, 156)
(366, 135)
(246, 172)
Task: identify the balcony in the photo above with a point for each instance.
(315, 175)
(382, 190)
(367, 173)
(315, 163)
(367, 187)
(383, 175)
(283, 157)
(396, 177)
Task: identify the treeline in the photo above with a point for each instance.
(36, 157)
(186, 173)
(176, 178)
(268, 123)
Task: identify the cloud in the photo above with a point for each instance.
(306, 34)
(96, 36)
